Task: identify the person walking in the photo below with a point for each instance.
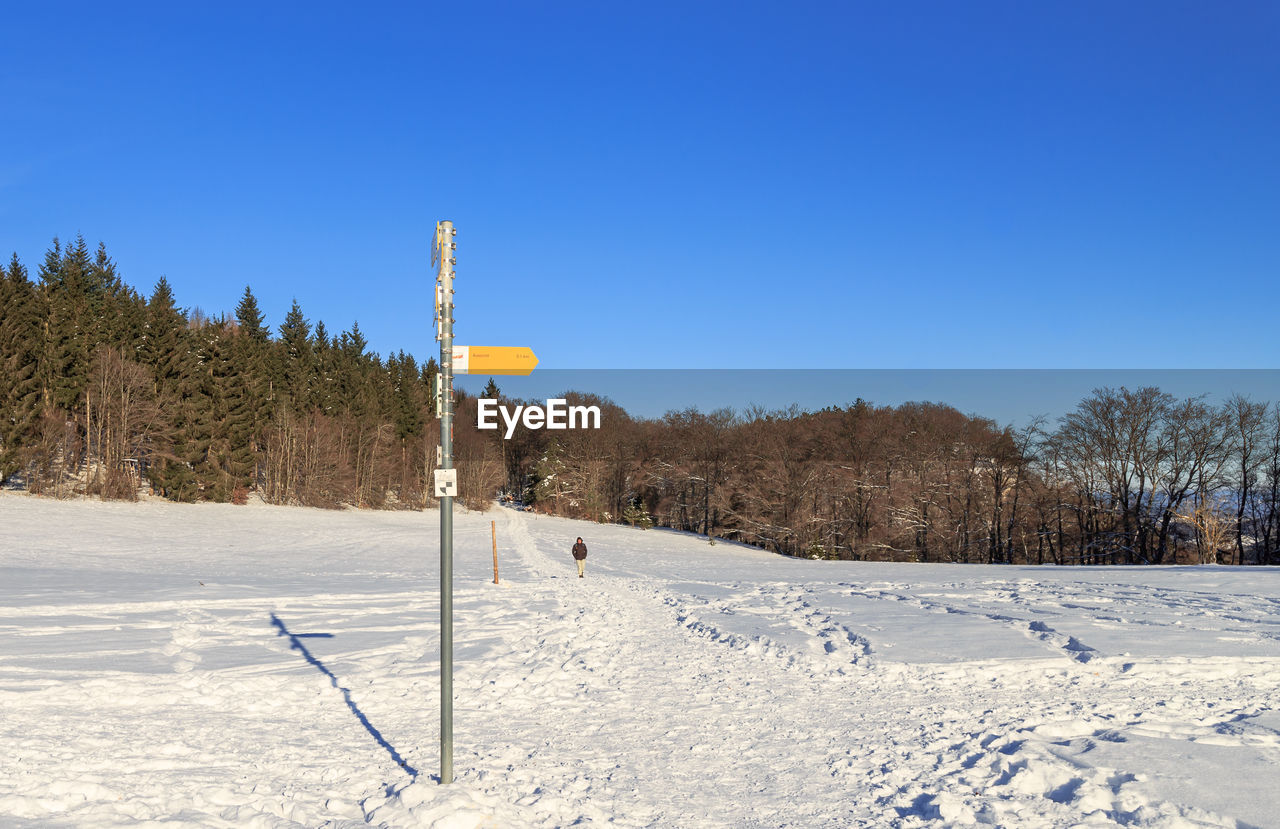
(580, 556)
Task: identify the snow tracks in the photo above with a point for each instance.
(279, 668)
(611, 709)
(637, 701)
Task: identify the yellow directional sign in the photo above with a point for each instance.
(493, 359)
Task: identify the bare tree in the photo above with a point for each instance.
(1118, 433)
(1194, 449)
(1267, 511)
(123, 423)
(1214, 525)
(1246, 421)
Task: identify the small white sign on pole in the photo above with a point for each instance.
(461, 359)
(446, 483)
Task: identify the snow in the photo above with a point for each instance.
(163, 664)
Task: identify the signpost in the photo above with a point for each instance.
(445, 475)
(462, 359)
(493, 359)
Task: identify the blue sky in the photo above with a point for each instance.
(737, 185)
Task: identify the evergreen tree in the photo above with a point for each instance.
(367, 406)
(119, 313)
(65, 358)
(637, 515)
(20, 323)
(324, 394)
(164, 347)
(409, 397)
(297, 358)
(213, 427)
(354, 342)
(249, 319)
(249, 388)
(76, 268)
(350, 364)
(87, 306)
(429, 371)
(190, 472)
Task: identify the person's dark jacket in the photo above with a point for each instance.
(579, 551)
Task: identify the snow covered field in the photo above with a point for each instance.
(251, 666)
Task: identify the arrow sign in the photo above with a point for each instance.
(493, 359)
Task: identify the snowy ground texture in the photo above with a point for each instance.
(251, 666)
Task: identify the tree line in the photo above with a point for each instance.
(1127, 477)
(103, 392)
(106, 392)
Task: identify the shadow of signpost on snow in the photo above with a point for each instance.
(295, 643)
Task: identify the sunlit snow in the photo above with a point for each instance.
(252, 666)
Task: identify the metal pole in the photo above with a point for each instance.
(447, 261)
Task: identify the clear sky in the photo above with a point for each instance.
(653, 185)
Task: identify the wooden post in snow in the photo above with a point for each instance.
(493, 525)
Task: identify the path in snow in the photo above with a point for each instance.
(651, 712)
(274, 667)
